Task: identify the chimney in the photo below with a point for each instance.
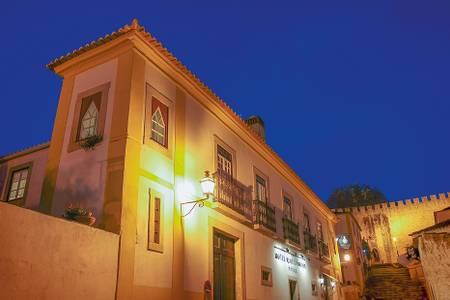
(257, 125)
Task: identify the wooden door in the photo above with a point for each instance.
(224, 267)
(293, 290)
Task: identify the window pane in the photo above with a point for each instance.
(88, 126)
(18, 184)
(12, 195)
(158, 132)
(14, 185)
(224, 160)
(20, 193)
(287, 208)
(22, 183)
(16, 176)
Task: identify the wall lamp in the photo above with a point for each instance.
(321, 280)
(207, 185)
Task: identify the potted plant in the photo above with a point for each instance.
(89, 143)
(79, 214)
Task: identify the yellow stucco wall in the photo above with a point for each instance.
(43, 257)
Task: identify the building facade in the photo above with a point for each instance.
(433, 262)
(134, 133)
(386, 227)
(349, 240)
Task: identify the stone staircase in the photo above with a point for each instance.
(389, 282)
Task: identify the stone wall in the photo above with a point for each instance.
(387, 226)
(435, 257)
(43, 257)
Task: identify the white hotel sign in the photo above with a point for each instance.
(293, 260)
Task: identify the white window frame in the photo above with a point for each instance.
(19, 185)
(155, 134)
(91, 117)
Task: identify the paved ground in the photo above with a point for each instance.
(392, 282)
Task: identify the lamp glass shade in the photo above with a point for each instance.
(207, 184)
(347, 257)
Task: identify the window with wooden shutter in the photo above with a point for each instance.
(18, 184)
(266, 276)
(319, 230)
(306, 222)
(160, 122)
(89, 115)
(224, 161)
(18, 181)
(287, 207)
(261, 190)
(155, 222)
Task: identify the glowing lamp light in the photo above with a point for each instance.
(347, 257)
(394, 239)
(207, 184)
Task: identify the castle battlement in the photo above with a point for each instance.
(441, 199)
(380, 223)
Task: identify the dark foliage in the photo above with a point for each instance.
(355, 195)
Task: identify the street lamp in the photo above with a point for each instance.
(321, 280)
(395, 243)
(207, 185)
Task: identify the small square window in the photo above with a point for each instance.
(266, 276)
(18, 184)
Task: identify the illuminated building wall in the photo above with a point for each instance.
(387, 226)
(135, 186)
(349, 240)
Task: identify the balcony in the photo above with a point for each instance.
(310, 241)
(264, 216)
(233, 194)
(324, 252)
(291, 232)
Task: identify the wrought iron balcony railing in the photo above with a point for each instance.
(233, 194)
(324, 252)
(264, 214)
(291, 231)
(310, 241)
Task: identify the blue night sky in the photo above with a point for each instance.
(351, 92)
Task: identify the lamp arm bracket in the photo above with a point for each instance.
(199, 202)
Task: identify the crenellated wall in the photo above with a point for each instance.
(387, 226)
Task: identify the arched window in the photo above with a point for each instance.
(89, 122)
(158, 127)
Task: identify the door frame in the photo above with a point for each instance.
(297, 287)
(238, 236)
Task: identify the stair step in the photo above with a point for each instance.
(392, 282)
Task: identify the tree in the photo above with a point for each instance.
(355, 195)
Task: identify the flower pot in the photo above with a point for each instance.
(88, 220)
